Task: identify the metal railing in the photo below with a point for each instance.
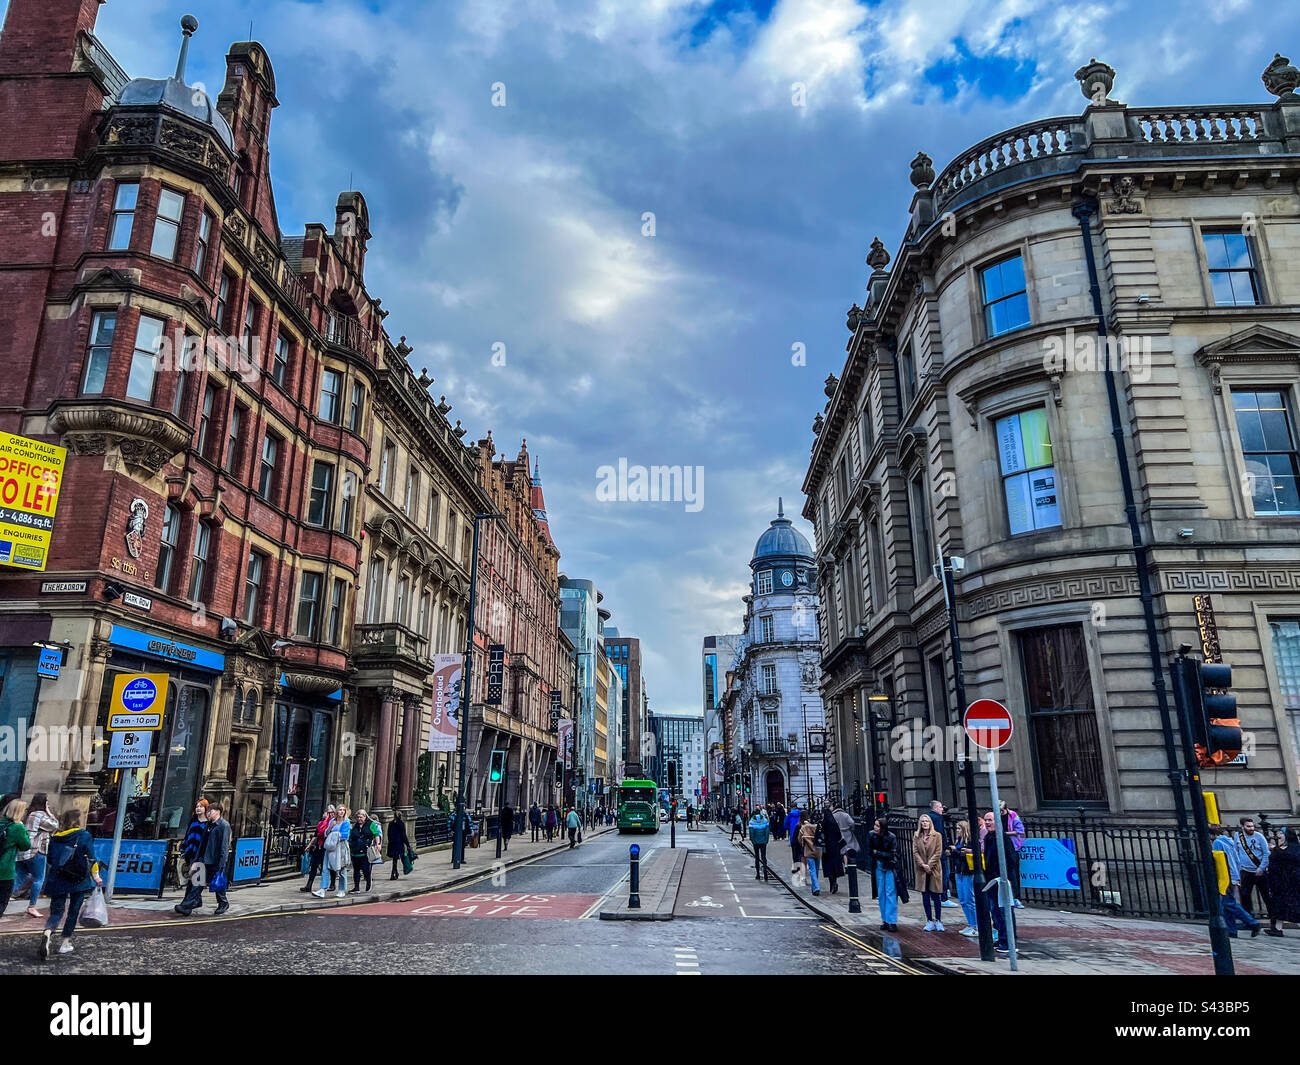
(1125, 870)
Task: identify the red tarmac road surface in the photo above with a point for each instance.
(475, 904)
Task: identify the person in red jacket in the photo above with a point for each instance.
(317, 851)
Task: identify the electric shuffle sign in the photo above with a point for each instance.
(31, 473)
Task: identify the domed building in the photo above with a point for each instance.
(774, 699)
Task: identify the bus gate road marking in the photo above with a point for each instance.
(477, 904)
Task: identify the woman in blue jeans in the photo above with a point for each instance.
(69, 847)
(807, 840)
(884, 863)
(40, 823)
(961, 858)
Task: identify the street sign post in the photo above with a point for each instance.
(136, 707)
(988, 725)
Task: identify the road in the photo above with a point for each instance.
(537, 918)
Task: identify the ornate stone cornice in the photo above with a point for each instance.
(146, 438)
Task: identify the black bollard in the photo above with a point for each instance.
(855, 905)
(634, 899)
(498, 837)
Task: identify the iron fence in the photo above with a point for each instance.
(1125, 870)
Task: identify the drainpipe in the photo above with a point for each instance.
(1084, 211)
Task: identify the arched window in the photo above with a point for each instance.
(251, 707)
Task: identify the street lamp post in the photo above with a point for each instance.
(949, 566)
(458, 837)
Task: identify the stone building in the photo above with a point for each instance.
(974, 417)
(424, 490)
(773, 698)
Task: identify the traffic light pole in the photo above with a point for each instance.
(982, 917)
(1184, 672)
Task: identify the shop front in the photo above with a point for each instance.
(166, 790)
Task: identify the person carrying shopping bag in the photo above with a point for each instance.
(71, 875)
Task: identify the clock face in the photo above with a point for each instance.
(787, 578)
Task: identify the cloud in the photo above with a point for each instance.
(522, 224)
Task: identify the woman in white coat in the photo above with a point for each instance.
(338, 854)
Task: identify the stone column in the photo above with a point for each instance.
(79, 786)
(384, 750)
(410, 750)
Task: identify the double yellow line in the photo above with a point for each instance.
(869, 949)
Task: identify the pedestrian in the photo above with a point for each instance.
(809, 839)
(883, 852)
(364, 836)
(316, 849)
(339, 856)
(848, 835)
(14, 841)
(550, 823)
(397, 841)
(573, 822)
(992, 871)
(1254, 865)
(759, 832)
(506, 823)
(791, 823)
(927, 862)
(1284, 883)
(216, 848)
(30, 869)
(961, 857)
(1014, 829)
(192, 846)
(778, 821)
(71, 875)
(937, 810)
(1230, 884)
(832, 862)
(535, 821)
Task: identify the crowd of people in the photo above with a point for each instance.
(42, 851)
(1260, 873)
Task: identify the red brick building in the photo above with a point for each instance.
(518, 607)
(211, 378)
(247, 451)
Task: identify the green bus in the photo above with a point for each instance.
(638, 807)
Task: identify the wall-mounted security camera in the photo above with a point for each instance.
(1186, 534)
(229, 628)
(1144, 298)
(958, 563)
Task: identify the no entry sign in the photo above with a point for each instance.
(988, 724)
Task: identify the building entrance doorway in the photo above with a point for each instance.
(775, 786)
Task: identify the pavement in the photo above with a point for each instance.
(1049, 942)
(432, 872)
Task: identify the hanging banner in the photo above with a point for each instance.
(566, 741)
(496, 673)
(31, 472)
(447, 674)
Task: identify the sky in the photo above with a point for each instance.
(770, 141)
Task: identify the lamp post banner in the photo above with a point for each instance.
(448, 671)
(566, 741)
